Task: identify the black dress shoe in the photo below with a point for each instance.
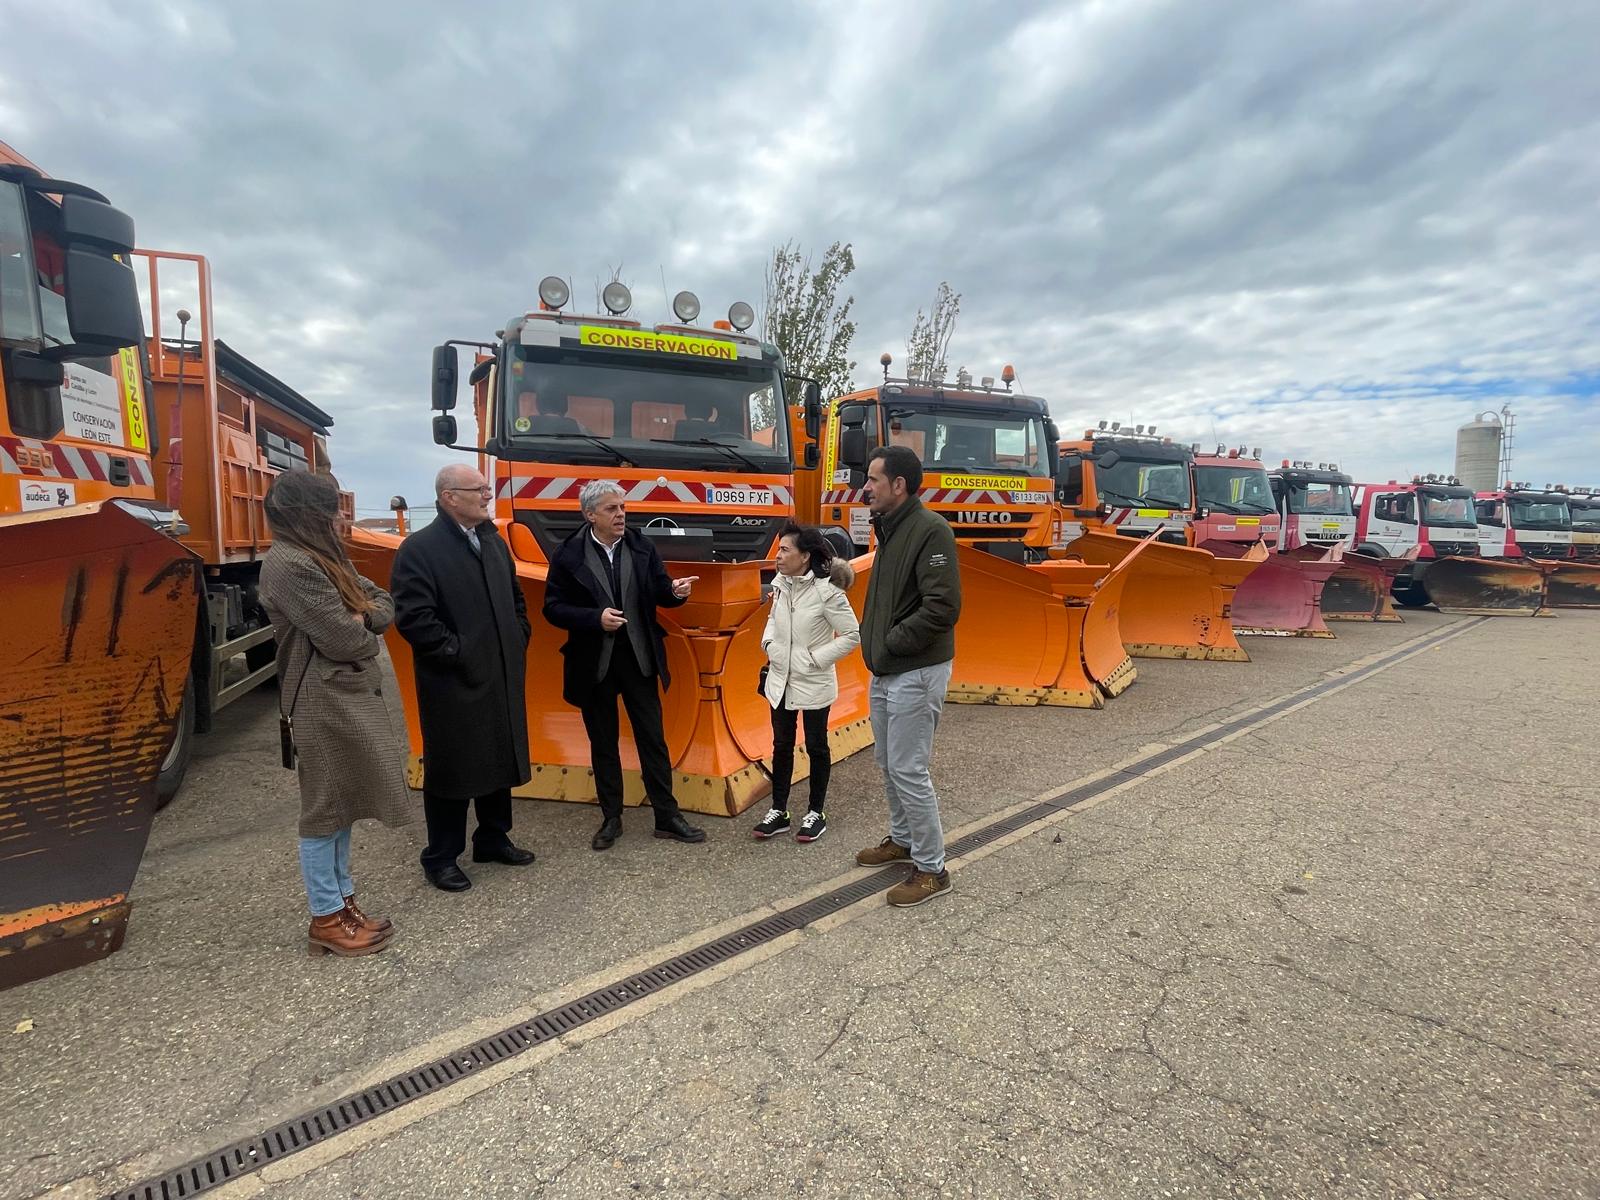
(679, 830)
(512, 856)
(449, 879)
(607, 834)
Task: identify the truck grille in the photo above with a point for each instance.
(1447, 549)
(729, 542)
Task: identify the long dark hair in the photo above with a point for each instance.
(809, 541)
(303, 511)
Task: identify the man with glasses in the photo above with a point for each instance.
(457, 602)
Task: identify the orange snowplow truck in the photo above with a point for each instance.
(697, 427)
(1033, 630)
(99, 602)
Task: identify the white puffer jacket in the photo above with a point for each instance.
(810, 628)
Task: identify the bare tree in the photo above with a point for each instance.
(803, 316)
(928, 347)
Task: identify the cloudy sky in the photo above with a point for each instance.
(1336, 230)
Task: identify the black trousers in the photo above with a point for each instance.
(447, 826)
(641, 695)
(816, 724)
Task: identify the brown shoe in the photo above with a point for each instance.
(886, 851)
(917, 887)
(375, 924)
(340, 933)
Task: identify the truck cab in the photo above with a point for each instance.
(1521, 522)
(1314, 505)
(1125, 481)
(1233, 498)
(988, 456)
(1433, 515)
(1584, 503)
(693, 423)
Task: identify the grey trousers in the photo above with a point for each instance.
(905, 712)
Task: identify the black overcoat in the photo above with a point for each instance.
(467, 623)
(573, 601)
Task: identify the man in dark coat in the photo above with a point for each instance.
(606, 582)
(457, 602)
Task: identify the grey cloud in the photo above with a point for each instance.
(1183, 213)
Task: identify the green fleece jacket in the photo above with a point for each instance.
(914, 593)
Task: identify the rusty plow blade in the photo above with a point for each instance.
(1573, 584)
(1176, 600)
(1015, 643)
(1492, 587)
(100, 627)
(718, 729)
(1360, 589)
(1283, 595)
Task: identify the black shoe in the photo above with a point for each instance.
(512, 856)
(607, 834)
(775, 822)
(812, 826)
(680, 830)
(448, 879)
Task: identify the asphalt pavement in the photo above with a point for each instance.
(1348, 951)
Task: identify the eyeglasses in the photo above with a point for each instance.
(485, 490)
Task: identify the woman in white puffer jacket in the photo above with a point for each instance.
(810, 628)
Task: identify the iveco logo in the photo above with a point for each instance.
(662, 523)
(984, 518)
(749, 521)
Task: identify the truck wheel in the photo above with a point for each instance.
(1372, 551)
(176, 764)
(1414, 596)
(843, 547)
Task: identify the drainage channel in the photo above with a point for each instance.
(319, 1125)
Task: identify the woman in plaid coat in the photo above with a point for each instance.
(328, 619)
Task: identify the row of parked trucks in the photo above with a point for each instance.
(136, 449)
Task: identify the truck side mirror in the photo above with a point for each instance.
(853, 447)
(444, 430)
(102, 297)
(813, 409)
(1107, 459)
(444, 384)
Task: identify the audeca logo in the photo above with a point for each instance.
(749, 521)
(662, 523)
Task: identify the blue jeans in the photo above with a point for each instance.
(905, 712)
(325, 864)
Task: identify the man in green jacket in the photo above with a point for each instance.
(908, 640)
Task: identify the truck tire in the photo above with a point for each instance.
(176, 764)
(1412, 596)
(1372, 551)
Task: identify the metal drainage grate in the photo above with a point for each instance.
(292, 1136)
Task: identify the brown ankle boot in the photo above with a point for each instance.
(340, 933)
(376, 924)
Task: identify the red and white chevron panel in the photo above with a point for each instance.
(55, 460)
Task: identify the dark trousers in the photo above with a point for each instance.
(816, 723)
(447, 826)
(640, 694)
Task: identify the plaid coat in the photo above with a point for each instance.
(350, 764)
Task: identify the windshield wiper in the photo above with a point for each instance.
(752, 464)
(598, 441)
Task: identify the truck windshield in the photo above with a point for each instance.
(1448, 512)
(1586, 518)
(1133, 482)
(1320, 499)
(952, 438)
(1233, 489)
(1526, 514)
(600, 408)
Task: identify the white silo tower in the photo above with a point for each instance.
(1478, 452)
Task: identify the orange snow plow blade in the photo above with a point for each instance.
(1015, 643)
(1283, 595)
(1360, 589)
(1094, 599)
(718, 729)
(100, 627)
(1494, 587)
(1176, 600)
(1573, 584)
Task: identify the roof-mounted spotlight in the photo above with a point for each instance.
(741, 316)
(1102, 424)
(884, 360)
(554, 292)
(616, 297)
(687, 307)
(1256, 453)
(1116, 427)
